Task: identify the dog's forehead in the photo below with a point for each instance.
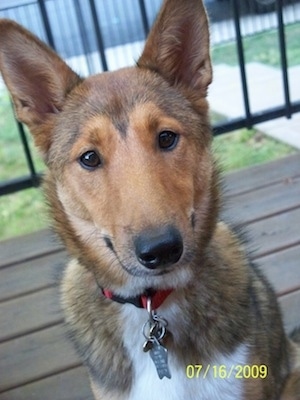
(116, 94)
(113, 92)
(106, 85)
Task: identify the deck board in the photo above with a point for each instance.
(29, 313)
(36, 359)
(257, 176)
(30, 276)
(290, 310)
(282, 269)
(255, 205)
(28, 247)
(35, 356)
(56, 387)
(275, 233)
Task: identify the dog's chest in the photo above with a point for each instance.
(147, 385)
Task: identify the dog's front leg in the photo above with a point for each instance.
(101, 394)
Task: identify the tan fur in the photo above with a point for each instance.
(221, 305)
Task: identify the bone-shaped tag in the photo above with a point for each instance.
(159, 355)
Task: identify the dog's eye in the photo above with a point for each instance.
(90, 160)
(167, 140)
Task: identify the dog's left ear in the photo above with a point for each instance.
(178, 46)
(37, 78)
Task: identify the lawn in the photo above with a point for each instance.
(262, 47)
(13, 162)
(24, 212)
(243, 148)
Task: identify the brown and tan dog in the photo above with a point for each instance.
(133, 191)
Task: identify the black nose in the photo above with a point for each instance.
(156, 248)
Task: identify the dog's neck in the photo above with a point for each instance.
(157, 298)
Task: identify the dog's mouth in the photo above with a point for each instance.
(138, 271)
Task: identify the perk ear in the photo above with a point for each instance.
(178, 46)
(37, 79)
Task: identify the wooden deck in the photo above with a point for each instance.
(36, 360)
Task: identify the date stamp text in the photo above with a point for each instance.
(199, 371)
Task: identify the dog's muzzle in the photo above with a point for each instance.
(155, 248)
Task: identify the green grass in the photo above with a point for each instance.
(22, 212)
(262, 47)
(247, 147)
(13, 162)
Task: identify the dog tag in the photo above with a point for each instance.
(154, 330)
(159, 355)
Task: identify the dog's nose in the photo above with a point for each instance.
(156, 248)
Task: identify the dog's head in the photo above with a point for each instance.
(131, 180)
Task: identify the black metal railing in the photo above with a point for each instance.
(91, 35)
(288, 108)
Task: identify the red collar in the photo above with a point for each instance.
(157, 297)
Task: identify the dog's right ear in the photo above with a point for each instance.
(178, 46)
(38, 80)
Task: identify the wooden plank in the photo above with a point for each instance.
(290, 305)
(69, 385)
(30, 276)
(36, 356)
(250, 178)
(264, 202)
(27, 247)
(275, 233)
(282, 269)
(29, 313)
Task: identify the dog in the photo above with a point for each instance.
(160, 298)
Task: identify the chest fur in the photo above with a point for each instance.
(206, 386)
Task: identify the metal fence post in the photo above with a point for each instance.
(29, 159)
(241, 57)
(46, 23)
(83, 35)
(144, 16)
(283, 58)
(98, 34)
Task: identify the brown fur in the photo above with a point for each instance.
(220, 300)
